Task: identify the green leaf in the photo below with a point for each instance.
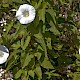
(16, 45)
(41, 13)
(47, 64)
(12, 60)
(49, 43)
(38, 5)
(78, 56)
(40, 39)
(22, 43)
(18, 74)
(53, 28)
(74, 29)
(9, 26)
(38, 55)
(70, 2)
(25, 72)
(20, 30)
(58, 47)
(5, 5)
(38, 72)
(76, 76)
(31, 73)
(26, 43)
(55, 74)
(78, 23)
(62, 1)
(22, 58)
(51, 74)
(24, 75)
(78, 37)
(40, 48)
(52, 13)
(27, 60)
(6, 1)
(29, 1)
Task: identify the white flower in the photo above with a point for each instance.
(79, 50)
(4, 53)
(25, 14)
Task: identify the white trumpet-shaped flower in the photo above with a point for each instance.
(25, 14)
(4, 53)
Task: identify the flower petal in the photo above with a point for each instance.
(4, 58)
(5, 53)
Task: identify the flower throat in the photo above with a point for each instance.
(25, 13)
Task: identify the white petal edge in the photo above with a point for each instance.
(79, 50)
(4, 58)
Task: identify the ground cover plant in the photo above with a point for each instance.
(46, 48)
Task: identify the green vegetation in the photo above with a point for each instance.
(47, 48)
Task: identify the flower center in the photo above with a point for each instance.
(1, 54)
(25, 13)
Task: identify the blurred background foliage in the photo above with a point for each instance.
(47, 48)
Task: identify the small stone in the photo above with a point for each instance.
(0, 74)
(2, 24)
(4, 30)
(1, 69)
